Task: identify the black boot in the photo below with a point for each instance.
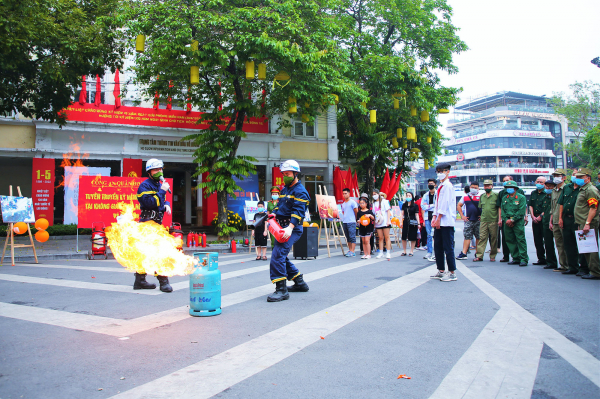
(299, 285)
(141, 283)
(281, 292)
(164, 284)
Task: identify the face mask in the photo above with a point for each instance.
(504, 183)
(157, 176)
(275, 196)
(510, 190)
(488, 190)
(287, 180)
(558, 180)
(375, 196)
(539, 186)
(579, 182)
(261, 209)
(431, 186)
(441, 176)
(548, 190)
(408, 199)
(467, 190)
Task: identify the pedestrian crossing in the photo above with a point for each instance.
(501, 362)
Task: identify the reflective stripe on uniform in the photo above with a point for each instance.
(153, 193)
(278, 279)
(296, 216)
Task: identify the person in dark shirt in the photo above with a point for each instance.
(365, 231)
(410, 223)
(260, 232)
(471, 217)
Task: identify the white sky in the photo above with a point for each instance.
(528, 46)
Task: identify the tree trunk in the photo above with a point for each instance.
(222, 218)
(370, 178)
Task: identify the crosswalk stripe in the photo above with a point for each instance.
(215, 374)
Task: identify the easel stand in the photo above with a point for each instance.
(330, 236)
(10, 234)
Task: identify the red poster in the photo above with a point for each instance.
(132, 168)
(210, 207)
(99, 196)
(42, 189)
(139, 116)
(277, 177)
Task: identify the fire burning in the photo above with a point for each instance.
(72, 158)
(146, 247)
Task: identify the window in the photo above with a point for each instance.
(304, 129)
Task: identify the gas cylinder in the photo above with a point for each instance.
(98, 240)
(203, 240)
(205, 285)
(177, 233)
(275, 229)
(233, 247)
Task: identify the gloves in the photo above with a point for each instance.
(168, 209)
(287, 231)
(165, 186)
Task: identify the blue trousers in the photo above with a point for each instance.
(443, 244)
(281, 267)
(429, 236)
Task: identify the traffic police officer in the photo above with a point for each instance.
(501, 195)
(290, 211)
(535, 209)
(152, 197)
(558, 177)
(545, 222)
(514, 207)
(576, 264)
(586, 217)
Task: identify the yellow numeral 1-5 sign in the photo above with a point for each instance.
(46, 174)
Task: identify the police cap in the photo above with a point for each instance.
(560, 172)
(584, 172)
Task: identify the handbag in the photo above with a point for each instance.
(379, 219)
(413, 222)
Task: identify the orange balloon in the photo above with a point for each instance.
(20, 228)
(42, 236)
(365, 222)
(41, 224)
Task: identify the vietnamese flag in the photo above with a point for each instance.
(117, 90)
(83, 93)
(98, 98)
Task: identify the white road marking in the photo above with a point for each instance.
(213, 375)
(584, 362)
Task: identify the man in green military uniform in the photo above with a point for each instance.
(536, 200)
(577, 264)
(559, 176)
(502, 194)
(513, 209)
(547, 229)
(586, 217)
(488, 228)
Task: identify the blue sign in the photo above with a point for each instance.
(249, 185)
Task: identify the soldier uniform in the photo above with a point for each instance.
(272, 205)
(513, 208)
(557, 232)
(548, 235)
(488, 228)
(535, 201)
(587, 200)
(567, 200)
(505, 250)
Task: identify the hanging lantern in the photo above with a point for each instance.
(373, 116)
(411, 134)
(396, 103)
(416, 150)
(429, 139)
(249, 70)
(395, 142)
(364, 105)
(405, 144)
(140, 42)
(443, 111)
(426, 164)
(283, 75)
(194, 75)
(292, 106)
(262, 71)
(399, 133)
(305, 118)
(424, 116)
(194, 45)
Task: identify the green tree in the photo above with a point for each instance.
(394, 47)
(582, 110)
(292, 36)
(47, 46)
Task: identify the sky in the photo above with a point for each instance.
(527, 46)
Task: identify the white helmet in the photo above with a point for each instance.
(154, 164)
(290, 164)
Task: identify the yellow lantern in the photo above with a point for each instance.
(194, 45)
(395, 142)
(283, 75)
(426, 164)
(396, 103)
(292, 106)
(413, 111)
(373, 116)
(262, 71)
(140, 41)
(364, 105)
(305, 118)
(250, 70)
(399, 133)
(404, 144)
(443, 111)
(194, 75)
(424, 116)
(416, 150)
(429, 139)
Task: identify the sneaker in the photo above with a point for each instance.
(438, 275)
(449, 277)
(421, 249)
(353, 254)
(362, 252)
(388, 255)
(427, 256)
(367, 256)
(431, 258)
(348, 254)
(379, 255)
(461, 256)
(364, 257)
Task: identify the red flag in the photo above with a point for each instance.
(397, 185)
(392, 184)
(83, 93)
(385, 186)
(169, 99)
(337, 185)
(117, 90)
(356, 183)
(98, 98)
(156, 97)
(220, 95)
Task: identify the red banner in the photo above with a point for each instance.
(42, 189)
(132, 167)
(99, 196)
(277, 177)
(138, 116)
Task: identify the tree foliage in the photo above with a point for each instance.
(47, 46)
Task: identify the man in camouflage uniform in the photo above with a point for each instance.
(586, 217)
(545, 222)
(513, 208)
(576, 263)
(502, 194)
(559, 176)
(536, 200)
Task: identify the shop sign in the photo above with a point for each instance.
(532, 171)
(170, 146)
(460, 157)
(42, 188)
(532, 153)
(528, 134)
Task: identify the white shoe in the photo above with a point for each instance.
(388, 255)
(379, 255)
(432, 259)
(364, 257)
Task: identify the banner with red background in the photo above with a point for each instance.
(99, 196)
(42, 188)
(132, 167)
(277, 177)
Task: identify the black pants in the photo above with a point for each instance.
(443, 244)
(549, 244)
(576, 261)
(538, 240)
(505, 250)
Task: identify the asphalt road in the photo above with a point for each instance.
(76, 329)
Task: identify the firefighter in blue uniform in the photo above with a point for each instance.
(152, 197)
(290, 211)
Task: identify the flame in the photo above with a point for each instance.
(146, 247)
(73, 158)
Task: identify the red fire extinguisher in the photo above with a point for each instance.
(233, 247)
(189, 239)
(195, 239)
(177, 233)
(203, 240)
(98, 241)
(276, 229)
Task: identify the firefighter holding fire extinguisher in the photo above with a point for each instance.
(152, 197)
(290, 211)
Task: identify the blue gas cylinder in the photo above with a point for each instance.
(205, 285)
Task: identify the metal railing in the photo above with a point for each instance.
(483, 165)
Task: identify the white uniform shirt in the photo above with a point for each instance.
(445, 204)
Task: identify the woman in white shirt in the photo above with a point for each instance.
(383, 217)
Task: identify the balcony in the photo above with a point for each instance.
(522, 108)
(500, 126)
(482, 165)
(530, 108)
